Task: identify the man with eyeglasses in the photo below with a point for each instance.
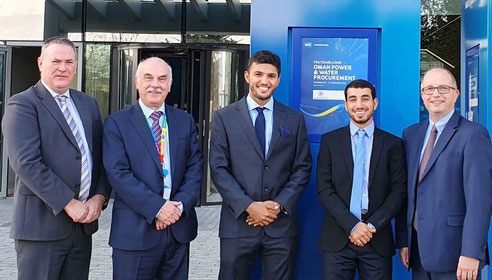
(443, 233)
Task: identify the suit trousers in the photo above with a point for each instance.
(169, 259)
(419, 272)
(238, 257)
(68, 258)
(369, 263)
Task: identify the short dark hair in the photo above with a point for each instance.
(60, 41)
(360, 83)
(264, 56)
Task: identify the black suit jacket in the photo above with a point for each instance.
(242, 174)
(46, 159)
(387, 188)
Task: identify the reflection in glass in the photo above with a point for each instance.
(127, 65)
(220, 96)
(97, 72)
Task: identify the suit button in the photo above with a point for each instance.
(78, 157)
(266, 189)
(266, 167)
(77, 186)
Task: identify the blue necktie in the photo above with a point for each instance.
(260, 128)
(358, 181)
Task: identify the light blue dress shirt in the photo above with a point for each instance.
(440, 124)
(268, 113)
(167, 155)
(78, 122)
(370, 137)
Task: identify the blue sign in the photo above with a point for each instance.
(326, 60)
(471, 85)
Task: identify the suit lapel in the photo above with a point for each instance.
(346, 145)
(84, 116)
(377, 144)
(50, 104)
(172, 127)
(279, 117)
(245, 121)
(443, 140)
(415, 143)
(137, 118)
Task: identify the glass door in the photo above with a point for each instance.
(224, 88)
(3, 98)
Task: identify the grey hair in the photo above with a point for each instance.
(143, 60)
(454, 83)
(59, 41)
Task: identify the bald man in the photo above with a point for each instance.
(154, 163)
(443, 234)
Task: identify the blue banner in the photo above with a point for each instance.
(327, 66)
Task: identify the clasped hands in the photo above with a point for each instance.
(262, 213)
(87, 212)
(169, 214)
(362, 234)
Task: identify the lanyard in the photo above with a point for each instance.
(162, 142)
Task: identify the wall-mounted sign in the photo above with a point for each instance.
(472, 93)
(324, 61)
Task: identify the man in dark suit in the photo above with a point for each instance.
(449, 188)
(154, 163)
(361, 183)
(260, 162)
(54, 138)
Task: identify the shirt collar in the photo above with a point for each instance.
(147, 111)
(440, 124)
(252, 104)
(368, 129)
(53, 93)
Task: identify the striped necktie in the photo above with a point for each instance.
(85, 183)
(156, 129)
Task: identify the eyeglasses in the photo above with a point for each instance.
(441, 89)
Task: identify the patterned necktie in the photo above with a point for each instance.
(423, 164)
(84, 168)
(260, 128)
(358, 180)
(156, 129)
(158, 133)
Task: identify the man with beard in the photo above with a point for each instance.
(154, 163)
(260, 162)
(361, 177)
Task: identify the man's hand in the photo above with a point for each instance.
(262, 213)
(159, 225)
(169, 213)
(467, 268)
(361, 235)
(94, 205)
(404, 256)
(76, 210)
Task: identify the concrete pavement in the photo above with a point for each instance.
(204, 252)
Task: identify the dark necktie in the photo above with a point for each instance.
(423, 164)
(260, 128)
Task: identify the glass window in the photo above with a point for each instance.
(97, 75)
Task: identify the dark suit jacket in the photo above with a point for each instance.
(387, 188)
(454, 198)
(243, 175)
(135, 173)
(46, 159)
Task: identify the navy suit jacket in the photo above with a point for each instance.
(135, 173)
(46, 159)
(387, 188)
(243, 175)
(454, 198)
